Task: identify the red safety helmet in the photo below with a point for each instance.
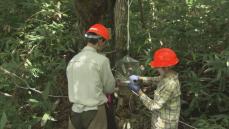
(164, 57)
(100, 30)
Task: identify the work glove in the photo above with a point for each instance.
(134, 78)
(133, 86)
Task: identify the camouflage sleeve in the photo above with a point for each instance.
(150, 80)
(161, 96)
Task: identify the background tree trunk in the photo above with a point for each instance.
(90, 12)
(94, 11)
(105, 11)
(142, 13)
(120, 16)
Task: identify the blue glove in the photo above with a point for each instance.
(133, 78)
(134, 87)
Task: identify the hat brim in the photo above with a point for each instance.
(156, 64)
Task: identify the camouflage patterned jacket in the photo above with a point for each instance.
(165, 105)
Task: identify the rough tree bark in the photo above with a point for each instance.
(112, 13)
(120, 16)
(93, 11)
(141, 13)
(90, 12)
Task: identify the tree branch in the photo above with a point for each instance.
(6, 94)
(27, 85)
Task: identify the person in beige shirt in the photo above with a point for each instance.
(89, 80)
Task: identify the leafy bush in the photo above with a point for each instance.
(38, 37)
(198, 32)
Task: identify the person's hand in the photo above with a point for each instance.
(134, 87)
(134, 78)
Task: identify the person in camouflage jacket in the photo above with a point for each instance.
(165, 105)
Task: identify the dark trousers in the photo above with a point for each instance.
(89, 119)
(82, 120)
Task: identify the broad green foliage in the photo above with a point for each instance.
(3, 121)
(38, 37)
(199, 31)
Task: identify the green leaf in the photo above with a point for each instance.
(33, 101)
(3, 120)
(45, 118)
(45, 93)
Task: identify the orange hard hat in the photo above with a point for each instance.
(164, 57)
(100, 30)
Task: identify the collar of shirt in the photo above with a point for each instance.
(169, 78)
(88, 48)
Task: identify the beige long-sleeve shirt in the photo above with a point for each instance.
(89, 79)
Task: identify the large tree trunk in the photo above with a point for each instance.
(93, 11)
(120, 16)
(140, 3)
(90, 12)
(105, 11)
